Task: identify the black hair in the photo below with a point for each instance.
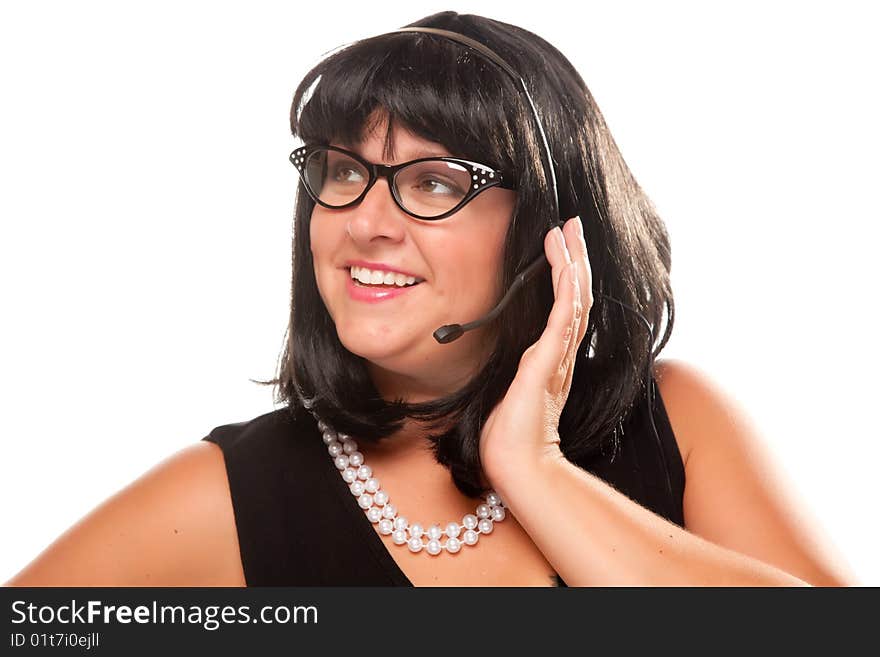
(441, 91)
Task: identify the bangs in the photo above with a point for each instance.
(438, 90)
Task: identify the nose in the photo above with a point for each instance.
(376, 216)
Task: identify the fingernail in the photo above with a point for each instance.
(560, 236)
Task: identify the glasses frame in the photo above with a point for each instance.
(483, 177)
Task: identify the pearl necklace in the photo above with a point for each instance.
(375, 501)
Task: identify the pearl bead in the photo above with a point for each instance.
(379, 510)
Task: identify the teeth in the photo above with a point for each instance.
(374, 277)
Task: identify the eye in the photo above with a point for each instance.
(438, 186)
(344, 173)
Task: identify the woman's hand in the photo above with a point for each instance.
(522, 431)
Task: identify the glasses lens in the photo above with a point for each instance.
(432, 188)
(334, 177)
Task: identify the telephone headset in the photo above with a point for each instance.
(450, 332)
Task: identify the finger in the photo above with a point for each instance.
(553, 349)
(557, 255)
(567, 364)
(574, 237)
(571, 301)
(571, 361)
(577, 246)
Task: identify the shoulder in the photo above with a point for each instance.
(736, 494)
(265, 455)
(270, 431)
(173, 526)
(686, 390)
(702, 412)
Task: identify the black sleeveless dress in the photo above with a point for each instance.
(298, 524)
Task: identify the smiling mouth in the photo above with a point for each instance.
(383, 286)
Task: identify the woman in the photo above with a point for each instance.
(527, 443)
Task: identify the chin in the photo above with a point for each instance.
(380, 347)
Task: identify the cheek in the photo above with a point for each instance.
(315, 232)
(477, 271)
(324, 239)
(321, 247)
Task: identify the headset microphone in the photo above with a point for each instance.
(450, 332)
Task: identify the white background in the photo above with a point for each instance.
(146, 203)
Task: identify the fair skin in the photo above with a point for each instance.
(459, 257)
(175, 526)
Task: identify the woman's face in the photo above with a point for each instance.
(459, 259)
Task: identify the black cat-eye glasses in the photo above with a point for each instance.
(429, 188)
